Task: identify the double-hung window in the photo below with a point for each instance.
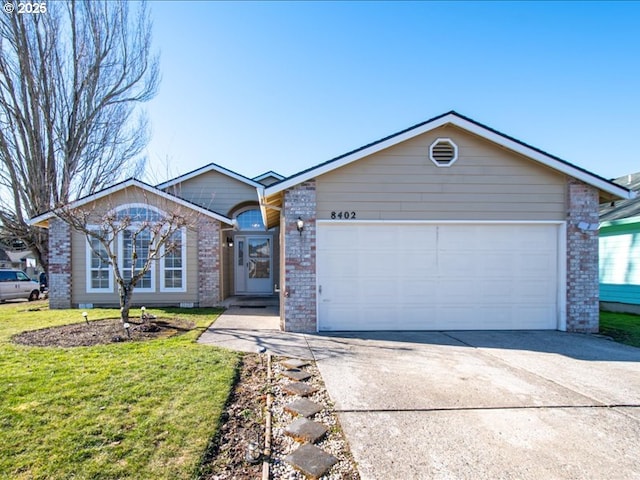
(138, 241)
(99, 273)
(132, 248)
(173, 263)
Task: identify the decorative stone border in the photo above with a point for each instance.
(307, 442)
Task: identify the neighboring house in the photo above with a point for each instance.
(23, 260)
(5, 261)
(620, 251)
(446, 225)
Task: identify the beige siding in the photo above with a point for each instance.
(485, 183)
(269, 181)
(215, 191)
(79, 284)
(133, 195)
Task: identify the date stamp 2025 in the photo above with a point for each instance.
(25, 8)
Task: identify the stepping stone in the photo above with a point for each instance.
(305, 430)
(294, 363)
(299, 388)
(296, 374)
(311, 460)
(303, 407)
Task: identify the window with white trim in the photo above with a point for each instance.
(99, 271)
(142, 245)
(169, 273)
(173, 263)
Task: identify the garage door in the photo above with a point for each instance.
(416, 276)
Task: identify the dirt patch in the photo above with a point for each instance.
(101, 332)
(242, 422)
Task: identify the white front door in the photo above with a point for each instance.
(253, 264)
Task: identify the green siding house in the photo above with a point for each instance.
(620, 251)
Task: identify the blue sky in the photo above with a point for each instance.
(257, 86)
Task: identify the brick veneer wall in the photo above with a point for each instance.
(208, 263)
(582, 259)
(298, 296)
(59, 264)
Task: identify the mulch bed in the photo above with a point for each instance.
(242, 422)
(101, 332)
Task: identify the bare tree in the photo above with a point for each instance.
(150, 235)
(72, 81)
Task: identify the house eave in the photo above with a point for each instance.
(457, 120)
(208, 168)
(43, 220)
(621, 222)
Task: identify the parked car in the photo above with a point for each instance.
(17, 284)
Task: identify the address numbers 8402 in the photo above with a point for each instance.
(346, 215)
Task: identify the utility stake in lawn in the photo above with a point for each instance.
(266, 463)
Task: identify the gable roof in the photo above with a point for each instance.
(212, 167)
(465, 123)
(41, 220)
(623, 209)
(268, 174)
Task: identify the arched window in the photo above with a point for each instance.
(138, 236)
(139, 213)
(250, 219)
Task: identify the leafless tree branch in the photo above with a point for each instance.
(107, 227)
(72, 83)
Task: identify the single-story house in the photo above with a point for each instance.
(5, 260)
(620, 251)
(19, 259)
(446, 225)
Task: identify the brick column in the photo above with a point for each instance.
(298, 298)
(582, 259)
(208, 263)
(59, 264)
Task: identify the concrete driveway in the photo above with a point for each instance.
(475, 405)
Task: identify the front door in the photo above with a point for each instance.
(253, 262)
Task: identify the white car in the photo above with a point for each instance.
(17, 284)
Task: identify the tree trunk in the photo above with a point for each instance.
(126, 294)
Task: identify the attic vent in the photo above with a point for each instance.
(443, 152)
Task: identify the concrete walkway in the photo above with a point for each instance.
(468, 405)
(248, 329)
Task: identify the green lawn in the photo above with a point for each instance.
(142, 410)
(622, 327)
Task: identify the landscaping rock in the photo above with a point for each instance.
(299, 388)
(311, 460)
(296, 374)
(304, 407)
(304, 430)
(294, 363)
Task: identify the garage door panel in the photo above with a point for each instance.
(418, 289)
(420, 263)
(379, 265)
(536, 264)
(437, 276)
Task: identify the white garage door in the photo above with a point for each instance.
(450, 276)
